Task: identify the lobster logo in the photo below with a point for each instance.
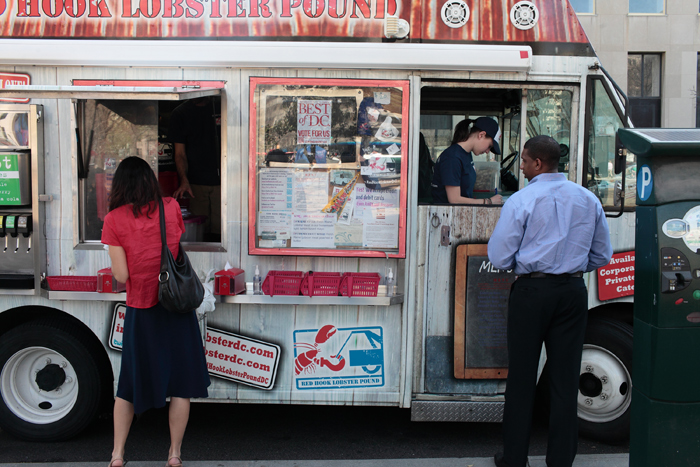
(308, 361)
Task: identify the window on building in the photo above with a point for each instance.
(647, 6)
(644, 89)
(583, 6)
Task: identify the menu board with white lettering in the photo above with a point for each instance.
(488, 289)
(327, 158)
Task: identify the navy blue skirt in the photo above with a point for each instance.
(162, 356)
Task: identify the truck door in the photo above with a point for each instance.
(522, 110)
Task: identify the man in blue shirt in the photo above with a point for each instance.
(550, 233)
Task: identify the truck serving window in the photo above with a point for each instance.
(603, 122)
(112, 130)
(549, 111)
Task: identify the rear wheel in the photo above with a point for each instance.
(49, 381)
(605, 384)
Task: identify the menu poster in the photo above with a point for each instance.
(314, 121)
(380, 228)
(313, 230)
(275, 225)
(275, 189)
(310, 192)
(368, 198)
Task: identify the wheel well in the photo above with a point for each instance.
(14, 317)
(618, 311)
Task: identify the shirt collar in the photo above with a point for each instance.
(549, 177)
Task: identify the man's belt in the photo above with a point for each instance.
(542, 275)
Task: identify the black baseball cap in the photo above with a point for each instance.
(490, 126)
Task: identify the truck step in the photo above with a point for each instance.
(456, 411)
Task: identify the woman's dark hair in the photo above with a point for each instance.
(134, 183)
(544, 148)
(462, 131)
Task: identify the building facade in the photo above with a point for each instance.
(650, 47)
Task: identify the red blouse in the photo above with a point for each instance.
(140, 238)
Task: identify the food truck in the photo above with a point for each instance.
(329, 117)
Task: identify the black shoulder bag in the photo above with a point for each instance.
(179, 288)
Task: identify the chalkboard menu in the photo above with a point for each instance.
(481, 311)
(487, 314)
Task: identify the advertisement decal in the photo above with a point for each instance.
(358, 20)
(242, 359)
(116, 334)
(339, 358)
(15, 79)
(616, 280)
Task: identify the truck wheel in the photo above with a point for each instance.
(49, 380)
(605, 385)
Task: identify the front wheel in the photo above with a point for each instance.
(49, 381)
(605, 384)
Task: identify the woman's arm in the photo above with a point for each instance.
(120, 270)
(454, 196)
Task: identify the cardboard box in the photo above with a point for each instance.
(229, 282)
(106, 282)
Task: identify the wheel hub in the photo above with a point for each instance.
(50, 377)
(37, 390)
(603, 385)
(590, 385)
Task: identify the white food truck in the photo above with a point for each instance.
(329, 116)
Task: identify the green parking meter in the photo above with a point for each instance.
(666, 370)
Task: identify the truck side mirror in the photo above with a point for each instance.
(620, 154)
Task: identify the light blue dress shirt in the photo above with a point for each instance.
(553, 226)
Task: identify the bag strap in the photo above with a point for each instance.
(163, 276)
(162, 223)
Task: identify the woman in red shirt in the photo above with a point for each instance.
(162, 352)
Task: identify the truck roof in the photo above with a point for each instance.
(548, 26)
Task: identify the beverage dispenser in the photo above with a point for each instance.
(21, 181)
(666, 380)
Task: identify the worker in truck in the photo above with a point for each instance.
(194, 129)
(454, 174)
(550, 233)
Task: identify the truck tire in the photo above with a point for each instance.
(605, 385)
(49, 381)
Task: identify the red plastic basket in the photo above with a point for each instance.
(282, 283)
(359, 284)
(75, 283)
(320, 283)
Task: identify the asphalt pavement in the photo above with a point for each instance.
(259, 435)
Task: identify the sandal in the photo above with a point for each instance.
(117, 459)
(179, 462)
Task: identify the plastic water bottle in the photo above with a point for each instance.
(390, 284)
(257, 282)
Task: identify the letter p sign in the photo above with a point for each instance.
(645, 184)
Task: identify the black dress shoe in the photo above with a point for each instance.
(500, 462)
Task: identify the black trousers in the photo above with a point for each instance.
(552, 310)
